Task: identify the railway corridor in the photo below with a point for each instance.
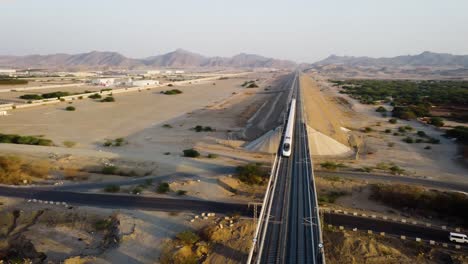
(292, 229)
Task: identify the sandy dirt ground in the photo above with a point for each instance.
(321, 113)
(141, 234)
(156, 129)
(441, 162)
(357, 247)
(356, 199)
(92, 121)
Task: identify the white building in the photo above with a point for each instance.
(7, 72)
(84, 74)
(179, 72)
(104, 81)
(168, 72)
(153, 72)
(124, 82)
(3, 113)
(140, 83)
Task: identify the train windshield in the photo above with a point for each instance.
(286, 146)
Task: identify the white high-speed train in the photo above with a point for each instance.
(288, 135)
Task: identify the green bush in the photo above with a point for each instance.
(212, 156)
(188, 237)
(108, 99)
(330, 165)
(249, 83)
(137, 190)
(436, 121)
(25, 140)
(69, 144)
(199, 128)
(181, 192)
(392, 121)
(366, 169)
(112, 188)
(330, 197)
(163, 188)
(421, 134)
(460, 133)
(103, 224)
(381, 109)
(408, 140)
(109, 170)
(252, 85)
(119, 141)
(388, 131)
(12, 81)
(172, 92)
(95, 96)
(167, 126)
(44, 95)
(116, 142)
(252, 173)
(70, 108)
(31, 97)
(191, 153)
(368, 129)
(396, 170)
(55, 94)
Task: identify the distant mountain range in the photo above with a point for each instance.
(112, 60)
(425, 59)
(185, 59)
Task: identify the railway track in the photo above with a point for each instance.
(292, 232)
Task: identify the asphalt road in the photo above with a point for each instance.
(126, 201)
(389, 227)
(393, 178)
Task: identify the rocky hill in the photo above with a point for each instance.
(106, 60)
(425, 59)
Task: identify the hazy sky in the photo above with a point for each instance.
(301, 30)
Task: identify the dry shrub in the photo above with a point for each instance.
(74, 174)
(445, 204)
(14, 170)
(11, 170)
(38, 169)
(173, 253)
